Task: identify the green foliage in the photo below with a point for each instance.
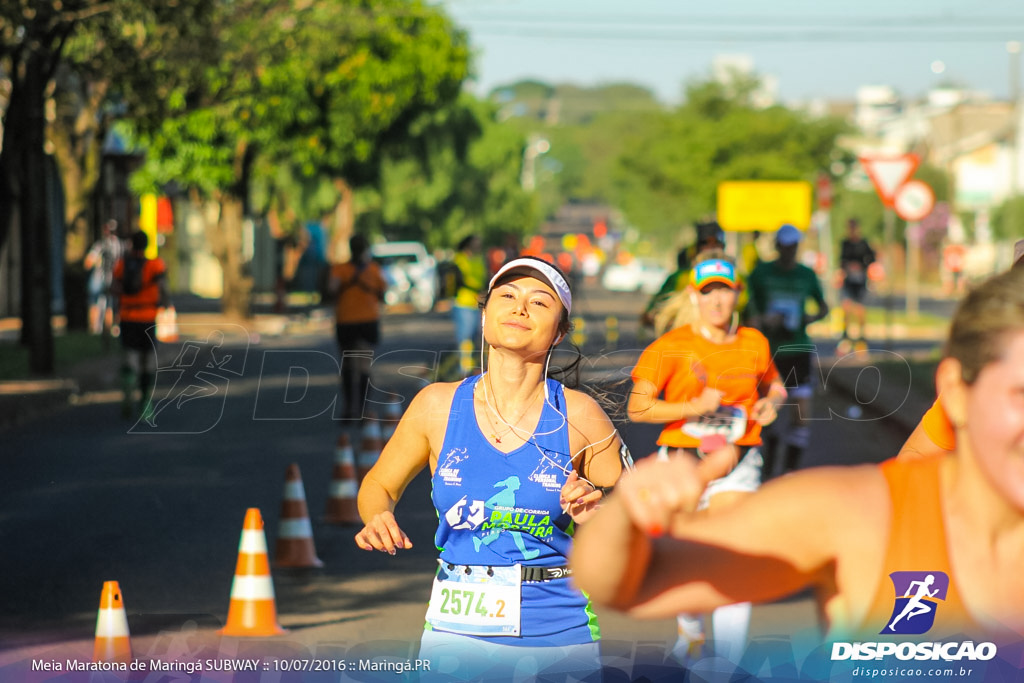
(450, 195)
(1007, 219)
(323, 88)
(670, 169)
(616, 144)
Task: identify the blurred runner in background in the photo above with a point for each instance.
(855, 255)
(779, 291)
(100, 260)
(713, 384)
(141, 287)
(358, 288)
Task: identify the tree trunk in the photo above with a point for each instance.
(77, 135)
(78, 148)
(224, 235)
(237, 299)
(37, 327)
(343, 223)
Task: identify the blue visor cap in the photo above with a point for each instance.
(714, 270)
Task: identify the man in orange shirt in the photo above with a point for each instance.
(358, 287)
(141, 286)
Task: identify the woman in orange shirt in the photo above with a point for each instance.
(714, 385)
(861, 537)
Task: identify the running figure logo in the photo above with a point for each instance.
(193, 388)
(917, 600)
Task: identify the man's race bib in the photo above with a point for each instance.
(728, 421)
(475, 600)
(790, 309)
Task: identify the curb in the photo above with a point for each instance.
(22, 400)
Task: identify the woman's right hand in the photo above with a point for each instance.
(707, 402)
(383, 533)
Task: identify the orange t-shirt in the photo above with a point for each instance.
(682, 362)
(360, 294)
(142, 306)
(917, 543)
(938, 427)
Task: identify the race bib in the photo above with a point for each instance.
(728, 421)
(791, 310)
(856, 275)
(476, 601)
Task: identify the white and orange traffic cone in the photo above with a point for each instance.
(294, 532)
(369, 452)
(113, 643)
(341, 503)
(252, 611)
(371, 427)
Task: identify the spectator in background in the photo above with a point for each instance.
(358, 288)
(779, 291)
(855, 255)
(140, 284)
(100, 261)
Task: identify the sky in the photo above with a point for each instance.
(819, 49)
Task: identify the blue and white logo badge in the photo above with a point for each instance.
(918, 595)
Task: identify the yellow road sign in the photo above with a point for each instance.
(747, 205)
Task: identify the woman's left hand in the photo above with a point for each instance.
(764, 412)
(579, 498)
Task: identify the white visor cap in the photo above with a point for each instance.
(542, 271)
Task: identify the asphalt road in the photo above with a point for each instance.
(87, 497)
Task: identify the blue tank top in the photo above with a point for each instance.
(499, 509)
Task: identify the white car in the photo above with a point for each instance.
(411, 273)
(639, 275)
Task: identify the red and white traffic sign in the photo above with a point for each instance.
(888, 174)
(914, 201)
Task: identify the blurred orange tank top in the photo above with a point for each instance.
(917, 542)
(938, 427)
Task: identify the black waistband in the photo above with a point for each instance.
(529, 574)
(537, 574)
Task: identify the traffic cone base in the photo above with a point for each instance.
(113, 643)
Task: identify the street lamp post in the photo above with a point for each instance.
(535, 146)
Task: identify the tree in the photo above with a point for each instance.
(32, 38)
(127, 61)
(51, 49)
(455, 192)
(669, 170)
(321, 87)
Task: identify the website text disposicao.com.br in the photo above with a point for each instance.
(913, 672)
(952, 660)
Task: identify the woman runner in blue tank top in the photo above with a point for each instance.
(516, 461)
